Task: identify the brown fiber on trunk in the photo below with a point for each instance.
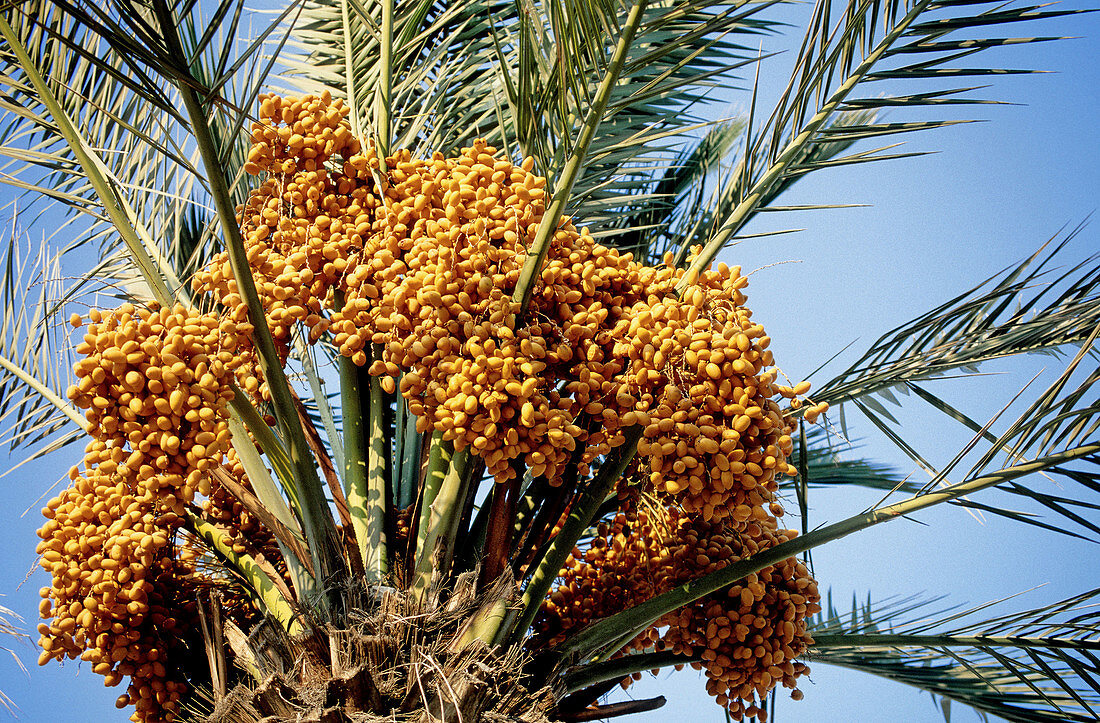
(391, 662)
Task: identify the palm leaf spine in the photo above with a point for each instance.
(580, 678)
(349, 71)
(870, 640)
(93, 170)
(48, 394)
(385, 85)
(538, 249)
(604, 632)
(244, 564)
(745, 209)
(317, 523)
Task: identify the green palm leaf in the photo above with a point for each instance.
(1027, 308)
(522, 77)
(117, 89)
(827, 465)
(840, 55)
(33, 347)
(1030, 308)
(1036, 665)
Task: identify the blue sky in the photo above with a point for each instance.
(992, 194)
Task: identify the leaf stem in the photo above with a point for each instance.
(382, 109)
(775, 173)
(266, 592)
(536, 252)
(349, 71)
(47, 393)
(317, 522)
(580, 517)
(584, 676)
(865, 640)
(614, 710)
(600, 634)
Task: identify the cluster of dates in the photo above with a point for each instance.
(409, 267)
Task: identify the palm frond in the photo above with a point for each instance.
(1036, 665)
(1031, 308)
(1060, 418)
(112, 75)
(34, 364)
(1026, 308)
(841, 54)
(676, 196)
(118, 111)
(523, 74)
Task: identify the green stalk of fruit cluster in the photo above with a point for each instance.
(355, 457)
(439, 514)
(377, 501)
(580, 517)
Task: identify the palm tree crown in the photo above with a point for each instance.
(562, 447)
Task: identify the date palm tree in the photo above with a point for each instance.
(354, 562)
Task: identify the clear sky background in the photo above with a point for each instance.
(996, 191)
